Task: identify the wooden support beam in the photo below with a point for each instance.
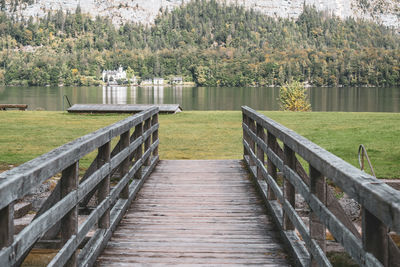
(260, 152)
(375, 236)
(271, 140)
(147, 142)
(245, 135)
(6, 225)
(317, 229)
(104, 185)
(154, 121)
(69, 223)
(252, 144)
(288, 189)
(125, 141)
(139, 151)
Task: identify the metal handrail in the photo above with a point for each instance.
(63, 102)
(362, 152)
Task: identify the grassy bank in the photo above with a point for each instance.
(209, 134)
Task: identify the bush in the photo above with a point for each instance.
(293, 97)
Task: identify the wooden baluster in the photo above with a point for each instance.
(7, 225)
(154, 121)
(271, 140)
(104, 185)
(124, 169)
(317, 229)
(288, 188)
(139, 150)
(260, 152)
(251, 142)
(375, 237)
(69, 223)
(245, 137)
(147, 141)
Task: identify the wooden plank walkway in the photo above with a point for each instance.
(122, 108)
(193, 212)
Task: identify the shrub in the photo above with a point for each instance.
(293, 97)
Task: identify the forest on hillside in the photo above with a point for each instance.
(206, 42)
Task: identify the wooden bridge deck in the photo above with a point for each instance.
(196, 213)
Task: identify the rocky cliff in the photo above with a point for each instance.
(386, 12)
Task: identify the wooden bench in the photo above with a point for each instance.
(13, 106)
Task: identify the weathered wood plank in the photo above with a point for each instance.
(168, 229)
(375, 237)
(139, 150)
(6, 225)
(154, 121)
(147, 139)
(317, 229)
(288, 188)
(69, 223)
(104, 185)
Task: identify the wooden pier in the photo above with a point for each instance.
(196, 212)
(123, 108)
(202, 213)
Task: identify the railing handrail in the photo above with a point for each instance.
(380, 202)
(59, 213)
(376, 196)
(17, 182)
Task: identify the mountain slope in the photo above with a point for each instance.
(206, 42)
(386, 12)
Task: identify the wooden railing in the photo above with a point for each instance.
(380, 203)
(133, 158)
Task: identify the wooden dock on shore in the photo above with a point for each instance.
(13, 106)
(123, 108)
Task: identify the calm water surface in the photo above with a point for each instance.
(203, 98)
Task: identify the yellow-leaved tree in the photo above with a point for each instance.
(293, 97)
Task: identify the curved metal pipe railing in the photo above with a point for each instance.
(362, 152)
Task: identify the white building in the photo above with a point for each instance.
(114, 75)
(146, 82)
(158, 81)
(177, 80)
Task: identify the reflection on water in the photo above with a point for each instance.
(203, 98)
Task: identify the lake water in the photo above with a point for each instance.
(202, 98)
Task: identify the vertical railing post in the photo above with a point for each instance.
(288, 188)
(375, 236)
(245, 137)
(7, 225)
(317, 229)
(154, 121)
(260, 151)
(69, 223)
(104, 185)
(124, 169)
(139, 150)
(147, 141)
(271, 140)
(252, 143)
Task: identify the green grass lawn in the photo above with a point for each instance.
(209, 134)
